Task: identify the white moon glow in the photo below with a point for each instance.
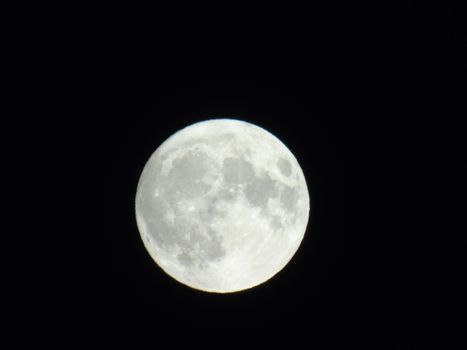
(222, 205)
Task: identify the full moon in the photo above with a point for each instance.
(222, 205)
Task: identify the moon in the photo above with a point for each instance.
(222, 205)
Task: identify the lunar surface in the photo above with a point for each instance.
(222, 205)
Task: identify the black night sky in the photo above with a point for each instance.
(370, 102)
